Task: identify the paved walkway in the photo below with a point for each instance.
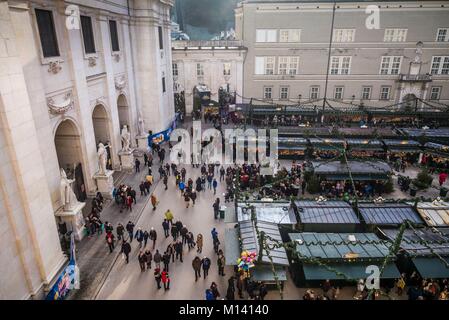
(93, 257)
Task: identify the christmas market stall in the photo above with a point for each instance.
(384, 214)
(245, 240)
(360, 170)
(304, 132)
(365, 148)
(435, 156)
(407, 150)
(342, 258)
(434, 214)
(292, 148)
(326, 148)
(326, 216)
(367, 132)
(433, 135)
(424, 250)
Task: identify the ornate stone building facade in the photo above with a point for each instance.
(71, 76)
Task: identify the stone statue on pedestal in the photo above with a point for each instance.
(126, 138)
(102, 158)
(68, 197)
(141, 127)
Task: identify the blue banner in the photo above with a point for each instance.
(162, 136)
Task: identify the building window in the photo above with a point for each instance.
(340, 65)
(175, 69)
(264, 65)
(443, 34)
(227, 69)
(283, 94)
(161, 39)
(114, 35)
(338, 93)
(88, 34)
(366, 93)
(435, 93)
(314, 92)
(266, 35)
(288, 65)
(395, 35)
(385, 93)
(440, 65)
(199, 70)
(289, 35)
(343, 35)
(390, 65)
(163, 84)
(267, 92)
(47, 33)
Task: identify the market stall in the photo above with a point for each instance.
(365, 148)
(292, 148)
(424, 250)
(387, 214)
(402, 149)
(360, 170)
(338, 257)
(435, 156)
(326, 148)
(326, 216)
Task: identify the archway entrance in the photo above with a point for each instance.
(100, 122)
(68, 151)
(123, 112)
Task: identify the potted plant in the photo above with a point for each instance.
(423, 180)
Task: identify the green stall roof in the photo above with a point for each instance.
(232, 246)
(352, 270)
(265, 273)
(432, 267)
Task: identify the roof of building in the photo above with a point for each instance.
(340, 245)
(434, 214)
(250, 241)
(441, 133)
(412, 240)
(356, 167)
(396, 142)
(388, 213)
(329, 212)
(274, 212)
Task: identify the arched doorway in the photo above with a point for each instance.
(68, 151)
(123, 112)
(100, 120)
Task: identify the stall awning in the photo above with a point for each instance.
(351, 270)
(265, 273)
(339, 177)
(405, 150)
(431, 267)
(232, 246)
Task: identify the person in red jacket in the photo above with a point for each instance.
(165, 280)
(129, 203)
(442, 178)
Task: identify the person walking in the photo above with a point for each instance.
(166, 260)
(181, 186)
(142, 258)
(178, 250)
(165, 181)
(174, 232)
(205, 263)
(216, 245)
(222, 173)
(110, 241)
(120, 230)
(183, 233)
(137, 165)
(158, 277)
(209, 181)
(221, 262)
(187, 199)
(142, 189)
(199, 243)
(153, 236)
(216, 207)
(126, 249)
(146, 235)
(169, 216)
(190, 240)
(149, 258)
(139, 236)
(196, 265)
(193, 197)
(165, 280)
(129, 203)
(145, 159)
(215, 185)
(214, 234)
(157, 258)
(214, 289)
(130, 229)
(303, 186)
(171, 251)
(166, 227)
(230, 293)
(154, 201)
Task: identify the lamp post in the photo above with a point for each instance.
(329, 54)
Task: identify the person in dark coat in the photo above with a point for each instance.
(126, 249)
(230, 292)
(166, 260)
(130, 229)
(174, 232)
(142, 260)
(171, 251)
(120, 230)
(196, 264)
(153, 236)
(183, 233)
(178, 250)
(205, 263)
(165, 181)
(142, 189)
(139, 236)
(149, 258)
(166, 227)
(110, 241)
(157, 277)
(215, 291)
(146, 235)
(193, 197)
(157, 258)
